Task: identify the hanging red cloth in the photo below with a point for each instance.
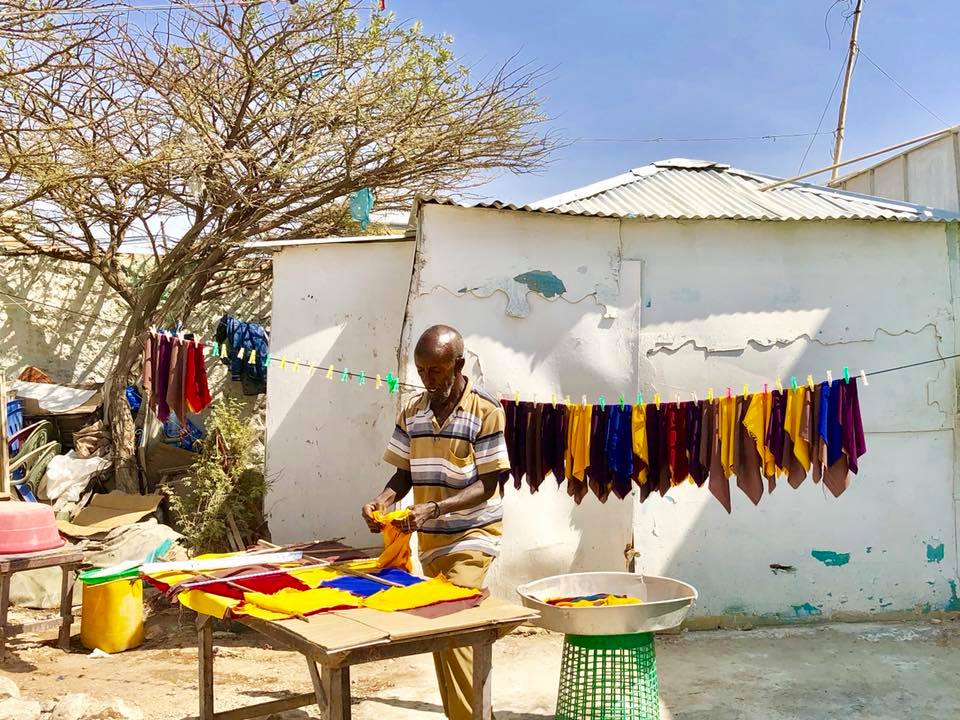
(196, 390)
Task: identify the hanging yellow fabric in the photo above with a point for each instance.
(794, 425)
(639, 427)
(396, 543)
(578, 442)
(756, 421)
(728, 429)
(428, 592)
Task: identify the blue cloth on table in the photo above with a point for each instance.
(361, 587)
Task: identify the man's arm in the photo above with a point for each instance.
(466, 499)
(396, 489)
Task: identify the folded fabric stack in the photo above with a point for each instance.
(600, 600)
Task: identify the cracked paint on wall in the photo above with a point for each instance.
(831, 558)
(935, 553)
(543, 282)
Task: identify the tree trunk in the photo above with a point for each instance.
(120, 420)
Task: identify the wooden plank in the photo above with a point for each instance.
(415, 646)
(4, 606)
(205, 654)
(319, 693)
(401, 625)
(67, 581)
(34, 627)
(321, 634)
(482, 669)
(32, 562)
(262, 710)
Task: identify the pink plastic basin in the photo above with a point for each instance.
(27, 527)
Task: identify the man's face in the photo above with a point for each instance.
(438, 372)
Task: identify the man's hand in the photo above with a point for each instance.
(419, 514)
(367, 514)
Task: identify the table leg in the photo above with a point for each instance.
(4, 604)
(317, 685)
(482, 667)
(205, 653)
(66, 605)
(336, 687)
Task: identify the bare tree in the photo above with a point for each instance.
(242, 122)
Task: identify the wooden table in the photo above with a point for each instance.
(337, 640)
(69, 560)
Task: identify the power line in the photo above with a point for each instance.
(116, 8)
(899, 85)
(823, 115)
(735, 138)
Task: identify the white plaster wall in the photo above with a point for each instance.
(734, 303)
(927, 175)
(340, 304)
(722, 303)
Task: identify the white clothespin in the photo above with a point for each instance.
(695, 398)
(583, 399)
(678, 398)
(863, 377)
(830, 376)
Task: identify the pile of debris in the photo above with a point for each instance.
(70, 707)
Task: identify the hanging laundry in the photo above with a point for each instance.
(757, 417)
(844, 432)
(577, 457)
(719, 483)
(161, 376)
(676, 444)
(658, 465)
(196, 390)
(178, 366)
(818, 445)
(246, 337)
(796, 452)
(598, 473)
(694, 425)
(749, 463)
(775, 435)
(620, 459)
(554, 429)
(534, 435)
(515, 435)
(361, 203)
(640, 456)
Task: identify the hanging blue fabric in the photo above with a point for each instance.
(134, 399)
(361, 203)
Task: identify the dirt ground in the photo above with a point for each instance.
(877, 671)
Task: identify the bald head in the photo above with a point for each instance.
(439, 360)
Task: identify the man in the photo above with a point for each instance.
(449, 447)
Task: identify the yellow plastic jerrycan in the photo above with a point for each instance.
(112, 618)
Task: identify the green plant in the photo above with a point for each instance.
(224, 490)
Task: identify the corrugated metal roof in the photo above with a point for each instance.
(683, 189)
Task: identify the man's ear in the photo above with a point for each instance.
(458, 365)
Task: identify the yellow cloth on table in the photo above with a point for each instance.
(428, 592)
(313, 576)
(396, 544)
(291, 601)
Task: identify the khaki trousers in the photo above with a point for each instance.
(455, 667)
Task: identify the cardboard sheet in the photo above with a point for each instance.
(44, 399)
(110, 511)
(334, 633)
(402, 626)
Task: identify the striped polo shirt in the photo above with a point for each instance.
(444, 460)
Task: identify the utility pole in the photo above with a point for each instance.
(851, 59)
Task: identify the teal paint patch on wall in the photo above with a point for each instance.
(953, 604)
(806, 610)
(935, 554)
(543, 282)
(831, 558)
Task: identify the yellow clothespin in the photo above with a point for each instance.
(296, 365)
(710, 394)
(811, 383)
(253, 357)
(656, 400)
(330, 373)
(553, 399)
(223, 350)
(379, 382)
(516, 396)
(863, 377)
(283, 362)
(779, 384)
(568, 401)
(746, 390)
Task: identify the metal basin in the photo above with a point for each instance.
(665, 603)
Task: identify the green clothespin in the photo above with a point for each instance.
(640, 399)
(344, 375)
(362, 379)
(622, 401)
(393, 382)
(268, 360)
(602, 401)
(793, 382)
(846, 374)
(216, 351)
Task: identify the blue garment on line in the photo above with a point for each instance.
(361, 587)
(237, 336)
(619, 448)
(834, 426)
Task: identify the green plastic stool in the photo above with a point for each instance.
(608, 677)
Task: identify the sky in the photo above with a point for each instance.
(636, 69)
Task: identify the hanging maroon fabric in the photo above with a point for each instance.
(775, 432)
(654, 465)
(514, 434)
(598, 474)
(534, 449)
(554, 442)
(677, 443)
